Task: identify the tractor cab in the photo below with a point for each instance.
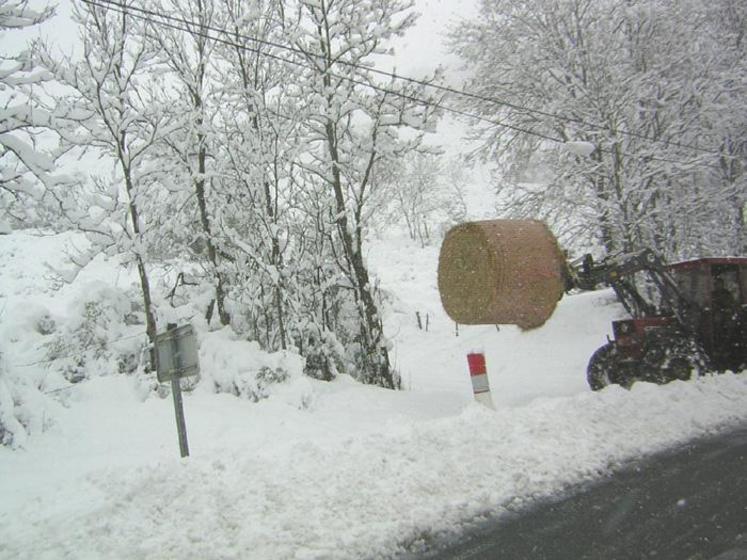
(717, 288)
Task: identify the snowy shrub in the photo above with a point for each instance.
(260, 385)
(10, 427)
(136, 313)
(267, 377)
(27, 320)
(45, 324)
(231, 365)
(94, 340)
(24, 409)
(324, 356)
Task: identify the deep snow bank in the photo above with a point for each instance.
(359, 493)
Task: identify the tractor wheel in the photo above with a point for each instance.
(606, 368)
(672, 355)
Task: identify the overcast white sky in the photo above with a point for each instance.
(423, 48)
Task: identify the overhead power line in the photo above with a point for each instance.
(127, 10)
(195, 29)
(199, 28)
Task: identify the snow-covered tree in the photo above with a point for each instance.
(253, 137)
(425, 191)
(189, 149)
(260, 128)
(113, 115)
(352, 131)
(727, 126)
(635, 80)
(28, 152)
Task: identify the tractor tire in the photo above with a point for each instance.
(670, 356)
(606, 368)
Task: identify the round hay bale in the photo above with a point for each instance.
(501, 272)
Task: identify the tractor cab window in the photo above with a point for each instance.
(725, 286)
(728, 319)
(694, 285)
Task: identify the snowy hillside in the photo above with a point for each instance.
(317, 470)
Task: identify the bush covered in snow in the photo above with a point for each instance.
(43, 354)
(24, 408)
(325, 355)
(240, 367)
(9, 424)
(96, 339)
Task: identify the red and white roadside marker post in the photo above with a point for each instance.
(479, 375)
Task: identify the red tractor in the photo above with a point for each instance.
(694, 320)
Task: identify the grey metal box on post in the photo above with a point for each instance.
(176, 357)
(176, 351)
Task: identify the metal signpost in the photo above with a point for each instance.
(176, 357)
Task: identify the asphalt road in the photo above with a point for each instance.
(685, 504)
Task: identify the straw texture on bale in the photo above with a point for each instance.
(500, 272)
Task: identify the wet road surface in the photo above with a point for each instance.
(686, 504)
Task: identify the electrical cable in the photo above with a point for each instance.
(120, 7)
(428, 103)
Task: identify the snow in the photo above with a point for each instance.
(234, 364)
(580, 149)
(305, 469)
(320, 470)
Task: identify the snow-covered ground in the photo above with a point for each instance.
(322, 470)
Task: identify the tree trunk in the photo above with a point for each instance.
(220, 295)
(150, 320)
(199, 184)
(375, 360)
